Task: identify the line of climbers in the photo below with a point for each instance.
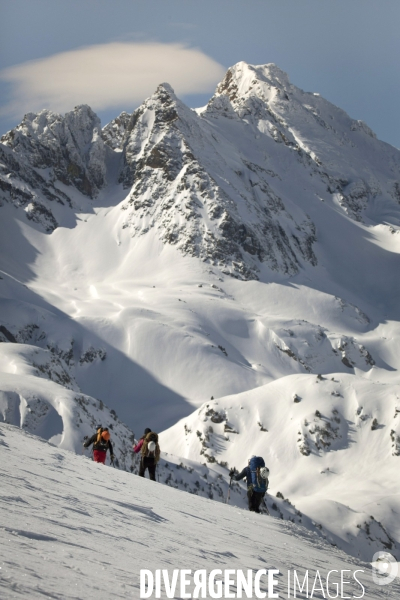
(147, 446)
(256, 473)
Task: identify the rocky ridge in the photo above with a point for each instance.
(47, 154)
(218, 208)
(323, 135)
(222, 184)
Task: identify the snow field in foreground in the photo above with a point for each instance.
(73, 529)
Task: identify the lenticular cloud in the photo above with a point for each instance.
(107, 76)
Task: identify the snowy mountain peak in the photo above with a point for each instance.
(230, 184)
(47, 149)
(75, 130)
(205, 193)
(163, 104)
(165, 88)
(244, 80)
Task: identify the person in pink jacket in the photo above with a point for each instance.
(139, 445)
(150, 453)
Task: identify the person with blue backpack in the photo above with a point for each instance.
(256, 474)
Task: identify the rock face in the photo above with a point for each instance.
(357, 169)
(216, 205)
(114, 132)
(45, 150)
(230, 184)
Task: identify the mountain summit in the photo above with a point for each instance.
(228, 184)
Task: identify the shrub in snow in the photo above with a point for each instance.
(395, 443)
(374, 425)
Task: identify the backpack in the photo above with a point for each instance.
(150, 446)
(259, 474)
(99, 432)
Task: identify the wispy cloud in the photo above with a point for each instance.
(107, 75)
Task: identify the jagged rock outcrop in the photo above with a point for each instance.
(219, 208)
(114, 132)
(47, 150)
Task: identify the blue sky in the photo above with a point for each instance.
(112, 53)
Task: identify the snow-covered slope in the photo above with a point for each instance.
(332, 446)
(38, 395)
(178, 255)
(73, 529)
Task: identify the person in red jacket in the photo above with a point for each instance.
(101, 443)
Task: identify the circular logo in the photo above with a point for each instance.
(384, 568)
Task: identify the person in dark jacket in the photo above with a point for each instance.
(101, 443)
(254, 498)
(150, 453)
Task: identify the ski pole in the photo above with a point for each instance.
(266, 507)
(84, 447)
(229, 491)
